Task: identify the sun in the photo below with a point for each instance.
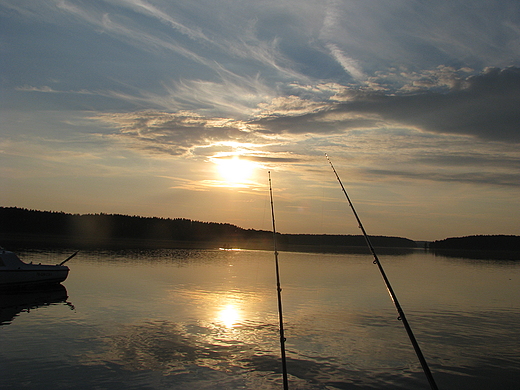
(234, 170)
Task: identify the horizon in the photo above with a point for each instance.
(240, 227)
(153, 107)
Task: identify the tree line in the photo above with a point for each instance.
(480, 242)
(19, 225)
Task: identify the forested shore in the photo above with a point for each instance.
(57, 229)
(23, 227)
(479, 242)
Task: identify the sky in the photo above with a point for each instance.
(180, 109)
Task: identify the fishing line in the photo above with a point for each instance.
(400, 311)
(279, 292)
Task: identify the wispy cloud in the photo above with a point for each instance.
(474, 177)
(243, 44)
(330, 31)
(47, 89)
(152, 10)
(484, 105)
(427, 132)
(350, 65)
(176, 134)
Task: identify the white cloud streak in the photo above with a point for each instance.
(151, 10)
(350, 65)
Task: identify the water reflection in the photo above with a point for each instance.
(207, 319)
(477, 254)
(187, 355)
(14, 303)
(229, 316)
(198, 356)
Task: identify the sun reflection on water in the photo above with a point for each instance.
(229, 316)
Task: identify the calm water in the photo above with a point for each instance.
(176, 319)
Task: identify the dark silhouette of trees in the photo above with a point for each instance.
(483, 243)
(115, 230)
(345, 240)
(106, 227)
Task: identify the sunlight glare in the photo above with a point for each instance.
(229, 316)
(234, 170)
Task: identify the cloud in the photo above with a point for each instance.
(482, 160)
(149, 9)
(176, 133)
(419, 34)
(149, 41)
(194, 54)
(384, 154)
(429, 131)
(28, 88)
(207, 44)
(487, 178)
(350, 65)
(484, 105)
(330, 32)
(195, 137)
(388, 155)
(47, 89)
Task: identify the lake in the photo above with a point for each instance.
(207, 319)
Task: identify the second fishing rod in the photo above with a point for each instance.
(279, 294)
(402, 316)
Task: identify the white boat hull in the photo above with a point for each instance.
(35, 276)
(16, 273)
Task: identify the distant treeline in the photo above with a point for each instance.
(481, 243)
(57, 229)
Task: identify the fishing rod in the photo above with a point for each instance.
(68, 258)
(400, 311)
(279, 292)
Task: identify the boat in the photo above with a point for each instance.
(14, 273)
